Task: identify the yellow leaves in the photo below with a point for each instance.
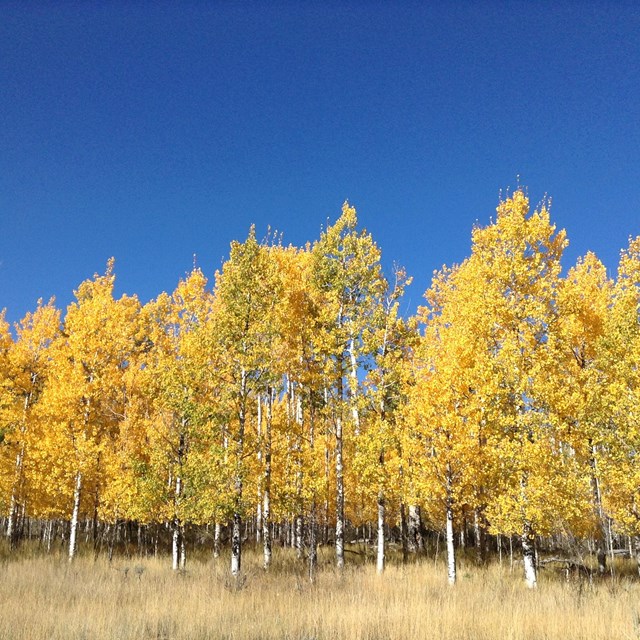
(480, 406)
(520, 380)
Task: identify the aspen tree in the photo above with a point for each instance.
(444, 413)
(300, 357)
(388, 339)
(28, 363)
(517, 263)
(171, 465)
(242, 327)
(7, 452)
(575, 391)
(84, 400)
(347, 275)
(619, 366)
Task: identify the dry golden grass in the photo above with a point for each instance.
(44, 597)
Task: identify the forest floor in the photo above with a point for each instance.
(43, 596)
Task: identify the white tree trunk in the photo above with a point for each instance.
(266, 489)
(13, 507)
(183, 550)
(299, 519)
(354, 387)
(217, 534)
(236, 528)
(175, 546)
(451, 549)
(602, 541)
(236, 545)
(339, 497)
(298, 536)
(478, 534)
(414, 526)
(49, 535)
(259, 496)
(73, 535)
(529, 557)
(381, 547)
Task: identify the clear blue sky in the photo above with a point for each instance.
(153, 131)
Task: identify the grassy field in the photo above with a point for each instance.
(45, 597)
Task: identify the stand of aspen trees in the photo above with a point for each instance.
(290, 401)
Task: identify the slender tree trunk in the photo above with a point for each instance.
(313, 543)
(602, 546)
(260, 486)
(266, 489)
(529, 556)
(13, 506)
(327, 490)
(313, 525)
(327, 476)
(380, 561)
(478, 534)
(217, 533)
(49, 535)
(236, 544)
(415, 529)
(183, 549)
(236, 530)
(299, 536)
(299, 518)
(175, 545)
(451, 549)
(178, 527)
(353, 389)
(339, 497)
(17, 482)
(74, 516)
(404, 533)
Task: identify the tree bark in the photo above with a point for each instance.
(77, 493)
(236, 544)
(266, 489)
(415, 529)
(313, 543)
(175, 545)
(13, 506)
(478, 534)
(602, 546)
(529, 556)
(451, 549)
(17, 483)
(404, 533)
(260, 486)
(353, 388)
(339, 497)
(299, 536)
(236, 532)
(380, 561)
(217, 534)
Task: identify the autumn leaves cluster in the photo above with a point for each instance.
(292, 389)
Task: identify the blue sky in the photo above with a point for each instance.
(153, 131)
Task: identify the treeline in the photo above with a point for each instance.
(291, 398)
